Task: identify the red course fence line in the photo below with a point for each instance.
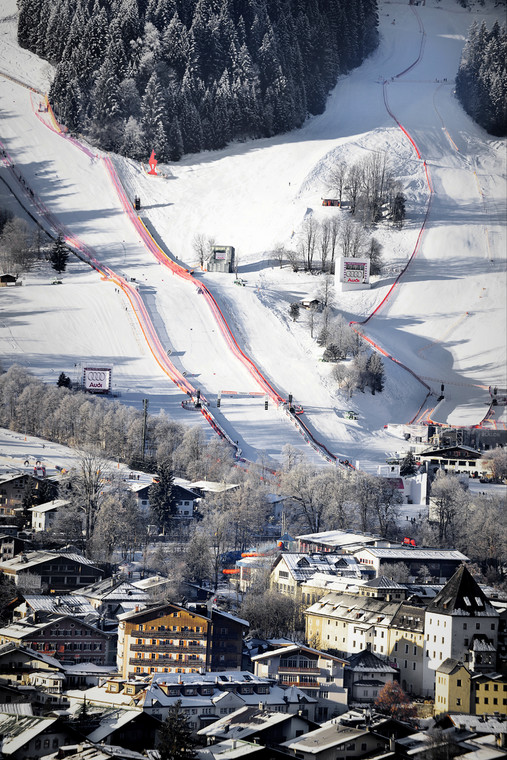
(143, 317)
(395, 284)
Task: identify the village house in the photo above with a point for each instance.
(12, 489)
(406, 646)
(257, 724)
(333, 740)
(339, 541)
(452, 687)
(318, 674)
(207, 697)
(455, 459)
(10, 545)
(346, 624)
(50, 571)
(365, 675)
(173, 639)
(67, 638)
(33, 736)
(35, 606)
(44, 515)
(185, 498)
(454, 620)
(440, 563)
(115, 596)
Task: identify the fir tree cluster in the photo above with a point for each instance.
(481, 82)
(180, 76)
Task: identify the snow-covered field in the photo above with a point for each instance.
(445, 320)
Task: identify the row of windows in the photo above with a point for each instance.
(181, 628)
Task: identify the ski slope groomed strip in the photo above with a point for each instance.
(85, 253)
(397, 281)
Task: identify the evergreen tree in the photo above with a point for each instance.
(408, 465)
(161, 495)
(481, 82)
(398, 210)
(59, 255)
(375, 373)
(225, 68)
(63, 380)
(176, 741)
(152, 111)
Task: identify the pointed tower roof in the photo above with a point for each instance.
(462, 596)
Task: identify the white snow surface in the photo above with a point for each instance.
(445, 320)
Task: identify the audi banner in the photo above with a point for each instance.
(97, 379)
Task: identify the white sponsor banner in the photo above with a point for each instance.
(97, 379)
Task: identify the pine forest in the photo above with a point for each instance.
(481, 83)
(181, 76)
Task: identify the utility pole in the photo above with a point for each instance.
(145, 416)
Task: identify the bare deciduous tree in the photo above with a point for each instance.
(336, 178)
(308, 241)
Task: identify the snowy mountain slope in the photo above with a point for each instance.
(254, 195)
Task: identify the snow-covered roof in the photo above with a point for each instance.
(19, 730)
(63, 604)
(112, 721)
(49, 506)
(338, 538)
(419, 555)
(30, 560)
(292, 649)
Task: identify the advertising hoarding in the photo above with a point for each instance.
(97, 379)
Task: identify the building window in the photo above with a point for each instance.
(458, 682)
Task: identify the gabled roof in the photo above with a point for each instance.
(112, 720)
(246, 721)
(463, 597)
(32, 654)
(18, 730)
(31, 560)
(152, 613)
(453, 452)
(363, 611)
(63, 604)
(384, 582)
(368, 662)
(450, 666)
(49, 506)
(329, 735)
(21, 630)
(111, 589)
(338, 538)
(292, 649)
(409, 617)
(408, 553)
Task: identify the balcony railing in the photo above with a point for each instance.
(198, 648)
(301, 669)
(166, 662)
(168, 635)
(301, 684)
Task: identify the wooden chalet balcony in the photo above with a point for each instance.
(167, 635)
(197, 649)
(166, 662)
(300, 684)
(302, 670)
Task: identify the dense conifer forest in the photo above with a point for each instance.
(481, 83)
(180, 76)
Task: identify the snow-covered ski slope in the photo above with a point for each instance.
(445, 319)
